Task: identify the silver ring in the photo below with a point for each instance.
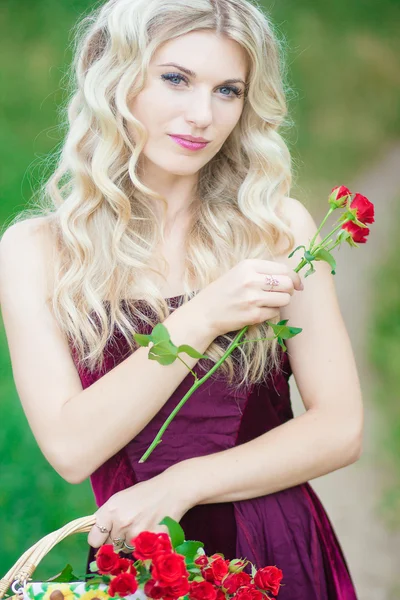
(118, 541)
(271, 281)
(128, 547)
(103, 529)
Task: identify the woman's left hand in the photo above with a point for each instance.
(141, 508)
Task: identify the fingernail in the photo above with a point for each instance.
(301, 286)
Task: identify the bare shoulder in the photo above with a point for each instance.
(302, 225)
(28, 230)
(26, 247)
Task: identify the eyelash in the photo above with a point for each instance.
(168, 76)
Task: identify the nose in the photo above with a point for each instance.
(199, 110)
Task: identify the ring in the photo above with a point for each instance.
(271, 281)
(128, 547)
(118, 541)
(103, 529)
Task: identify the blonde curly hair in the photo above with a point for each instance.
(99, 209)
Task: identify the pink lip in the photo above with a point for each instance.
(188, 144)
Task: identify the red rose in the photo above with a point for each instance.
(220, 595)
(152, 590)
(164, 542)
(358, 234)
(107, 560)
(124, 565)
(248, 593)
(148, 542)
(167, 568)
(201, 560)
(145, 545)
(180, 588)
(202, 590)
(235, 580)
(364, 208)
(340, 191)
(208, 574)
(123, 585)
(220, 568)
(268, 578)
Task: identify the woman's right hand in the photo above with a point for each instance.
(242, 296)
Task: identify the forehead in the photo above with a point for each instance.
(205, 53)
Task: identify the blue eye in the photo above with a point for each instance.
(170, 76)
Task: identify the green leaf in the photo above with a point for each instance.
(196, 570)
(93, 568)
(310, 271)
(143, 574)
(95, 581)
(282, 344)
(163, 360)
(253, 570)
(295, 250)
(164, 351)
(189, 548)
(323, 254)
(66, 576)
(191, 351)
(141, 339)
(160, 333)
(176, 532)
(164, 348)
(283, 331)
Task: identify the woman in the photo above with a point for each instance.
(138, 226)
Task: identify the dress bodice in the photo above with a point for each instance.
(211, 420)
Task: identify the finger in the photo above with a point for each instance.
(297, 283)
(284, 284)
(118, 536)
(266, 267)
(274, 300)
(161, 529)
(96, 537)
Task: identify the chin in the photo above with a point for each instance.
(180, 168)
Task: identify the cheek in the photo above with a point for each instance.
(151, 108)
(230, 119)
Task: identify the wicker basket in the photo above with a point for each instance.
(19, 575)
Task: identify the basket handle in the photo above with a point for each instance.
(27, 563)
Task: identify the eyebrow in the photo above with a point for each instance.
(193, 74)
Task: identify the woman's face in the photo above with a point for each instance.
(201, 104)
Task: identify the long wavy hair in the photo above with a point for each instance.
(104, 228)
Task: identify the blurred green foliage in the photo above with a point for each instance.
(344, 75)
(384, 355)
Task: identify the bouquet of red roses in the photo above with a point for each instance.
(168, 567)
(164, 566)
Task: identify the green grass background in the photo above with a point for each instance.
(344, 70)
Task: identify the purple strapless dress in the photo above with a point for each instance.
(289, 529)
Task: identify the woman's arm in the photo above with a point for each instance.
(329, 435)
(301, 449)
(79, 429)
